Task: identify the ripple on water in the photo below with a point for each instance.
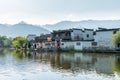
(13, 74)
(36, 69)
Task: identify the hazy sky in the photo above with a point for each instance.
(52, 11)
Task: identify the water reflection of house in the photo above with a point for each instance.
(83, 58)
(101, 63)
(79, 61)
(104, 64)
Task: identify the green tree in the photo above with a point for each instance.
(18, 42)
(41, 34)
(5, 42)
(116, 37)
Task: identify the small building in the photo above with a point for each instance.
(103, 38)
(31, 37)
(43, 41)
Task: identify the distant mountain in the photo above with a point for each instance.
(21, 29)
(92, 24)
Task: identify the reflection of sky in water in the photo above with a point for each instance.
(58, 67)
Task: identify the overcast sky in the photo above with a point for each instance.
(53, 11)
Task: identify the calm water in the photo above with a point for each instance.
(58, 66)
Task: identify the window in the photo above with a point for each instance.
(87, 35)
(94, 43)
(94, 33)
(118, 45)
(78, 43)
(62, 43)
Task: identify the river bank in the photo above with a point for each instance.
(72, 50)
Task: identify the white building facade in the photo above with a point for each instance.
(79, 34)
(76, 45)
(78, 38)
(103, 38)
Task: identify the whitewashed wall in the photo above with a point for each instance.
(82, 34)
(83, 44)
(76, 33)
(104, 38)
(73, 45)
(90, 33)
(69, 45)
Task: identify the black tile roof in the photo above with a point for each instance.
(100, 30)
(67, 30)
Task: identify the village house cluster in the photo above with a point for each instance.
(77, 39)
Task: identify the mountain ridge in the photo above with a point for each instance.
(21, 29)
(92, 24)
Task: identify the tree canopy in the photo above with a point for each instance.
(5, 42)
(18, 42)
(116, 38)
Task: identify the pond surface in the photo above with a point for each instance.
(16, 65)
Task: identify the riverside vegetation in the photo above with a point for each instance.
(5, 42)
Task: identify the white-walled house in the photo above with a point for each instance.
(73, 34)
(69, 34)
(103, 38)
(77, 39)
(31, 37)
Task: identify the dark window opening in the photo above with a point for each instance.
(94, 33)
(78, 43)
(118, 45)
(87, 35)
(62, 43)
(94, 43)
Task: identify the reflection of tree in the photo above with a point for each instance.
(18, 54)
(66, 65)
(116, 65)
(58, 60)
(29, 55)
(52, 61)
(3, 52)
(34, 55)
